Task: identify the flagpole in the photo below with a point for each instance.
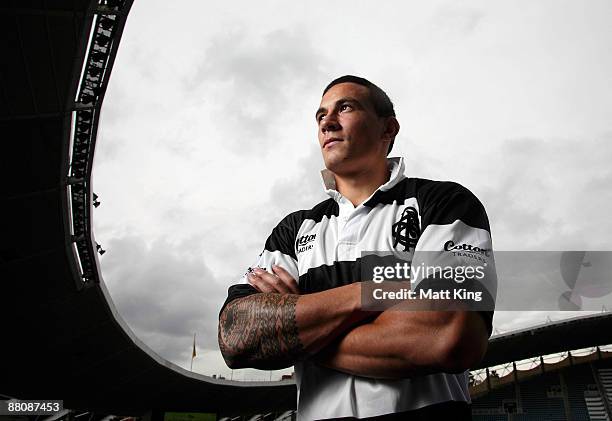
(193, 353)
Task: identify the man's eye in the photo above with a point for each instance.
(345, 106)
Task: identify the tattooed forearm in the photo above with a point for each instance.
(260, 331)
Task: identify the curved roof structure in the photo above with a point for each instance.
(62, 337)
(549, 338)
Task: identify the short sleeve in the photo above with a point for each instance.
(456, 239)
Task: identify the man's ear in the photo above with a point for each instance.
(391, 128)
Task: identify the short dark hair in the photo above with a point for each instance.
(380, 100)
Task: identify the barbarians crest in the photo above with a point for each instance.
(406, 230)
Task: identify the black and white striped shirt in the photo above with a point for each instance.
(321, 248)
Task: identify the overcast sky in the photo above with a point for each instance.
(207, 136)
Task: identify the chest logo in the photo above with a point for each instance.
(305, 243)
(406, 230)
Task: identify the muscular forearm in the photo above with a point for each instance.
(399, 344)
(271, 331)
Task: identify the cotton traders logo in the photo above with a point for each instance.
(304, 243)
(406, 230)
(467, 250)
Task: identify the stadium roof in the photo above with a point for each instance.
(62, 337)
(549, 338)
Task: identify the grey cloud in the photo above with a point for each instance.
(232, 239)
(112, 145)
(164, 292)
(300, 191)
(303, 190)
(252, 82)
(551, 194)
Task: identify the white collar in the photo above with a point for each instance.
(395, 165)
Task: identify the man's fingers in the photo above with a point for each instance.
(286, 278)
(259, 284)
(267, 282)
(280, 281)
(276, 282)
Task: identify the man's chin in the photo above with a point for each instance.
(336, 164)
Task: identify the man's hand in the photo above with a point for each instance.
(280, 281)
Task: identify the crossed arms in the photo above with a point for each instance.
(279, 326)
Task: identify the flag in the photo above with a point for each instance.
(193, 354)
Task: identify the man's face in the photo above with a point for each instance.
(350, 132)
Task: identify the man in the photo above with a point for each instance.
(301, 303)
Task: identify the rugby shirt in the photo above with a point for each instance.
(321, 248)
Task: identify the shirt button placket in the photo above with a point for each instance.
(344, 246)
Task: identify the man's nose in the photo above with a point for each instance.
(329, 123)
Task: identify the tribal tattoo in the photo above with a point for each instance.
(260, 331)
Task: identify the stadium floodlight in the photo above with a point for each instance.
(107, 23)
(92, 78)
(83, 127)
(82, 136)
(75, 180)
(87, 98)
(86, 116)
(103, 40)
(113, 3)
(98, 56)
(95, 71)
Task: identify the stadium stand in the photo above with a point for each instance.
(564, 390)
(605, 378)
